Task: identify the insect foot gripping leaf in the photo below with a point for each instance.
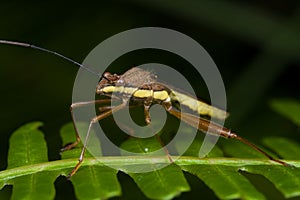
(91, 181)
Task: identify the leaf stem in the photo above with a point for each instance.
(62, 166)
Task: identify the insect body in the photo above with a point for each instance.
(141, 86)
(151, 91)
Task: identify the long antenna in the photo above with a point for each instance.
(49, 51)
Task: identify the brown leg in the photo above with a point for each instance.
(147, 105)
(216, 129)
(147, 114)
(165, 148)
(148, 120)
(93, 121)
(250, 144)
(76, 105)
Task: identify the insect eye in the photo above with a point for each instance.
(107, 76)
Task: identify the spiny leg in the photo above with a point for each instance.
(93, 121)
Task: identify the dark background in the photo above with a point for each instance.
(255, 45)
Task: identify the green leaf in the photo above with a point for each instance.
(288, 108)
(285, 179)
(225, 181)
(195, 147)
(169, 180)
(291, 148)
(27, 146)
(96, 182)
(34, 186)
(165, 183)
(33, 177)
(142, 146)
(238, 149)
(102, 180)
(68, 135)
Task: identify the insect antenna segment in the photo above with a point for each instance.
(22, 44)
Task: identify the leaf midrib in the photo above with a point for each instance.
(62, 165)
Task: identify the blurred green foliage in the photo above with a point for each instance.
(255, 44)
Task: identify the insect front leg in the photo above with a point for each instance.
(92, 122)
(76, 105)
